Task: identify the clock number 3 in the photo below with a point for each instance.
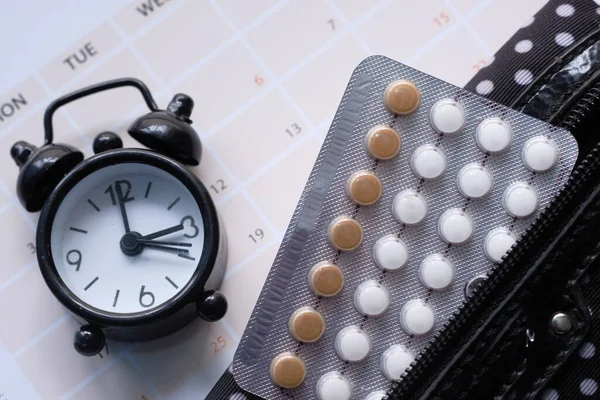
(148, 296)
(192, 224)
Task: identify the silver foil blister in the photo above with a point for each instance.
(324, 198)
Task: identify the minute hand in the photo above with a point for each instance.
(164, 232)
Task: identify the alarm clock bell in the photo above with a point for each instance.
(166, 131)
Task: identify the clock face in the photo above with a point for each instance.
(127, 238)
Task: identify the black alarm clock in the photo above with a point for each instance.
(128, 240)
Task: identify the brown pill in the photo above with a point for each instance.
(402, 97)
(364, 188)
(287, 370)
(326, 279)
(345, 233)
(383, 142)
(307, 325)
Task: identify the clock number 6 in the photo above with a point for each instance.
(192, 224)
(74, 258)
(144, 294)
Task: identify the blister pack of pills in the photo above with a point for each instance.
(419, 189)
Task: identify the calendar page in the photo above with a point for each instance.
(266, 77)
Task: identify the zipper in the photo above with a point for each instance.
(583, 113)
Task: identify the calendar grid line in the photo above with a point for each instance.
(64, 111)
(263, 65)
(40, 336)
(121, 46)
(283, 155)
(89, 378)
(131, 360)
(465, 23)
(230, 330)
(135, 52)
(251, 257)
(350, 26)
(14, 277)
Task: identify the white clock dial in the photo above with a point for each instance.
(120, 273)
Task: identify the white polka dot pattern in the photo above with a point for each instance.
(549, 394)
(528, 22)
(485, 87)
(588, 387)
(587, 350)
(564, 39)
(523, 77)
(565, 10)
(523, 46)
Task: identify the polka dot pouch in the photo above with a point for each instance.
(420, 187)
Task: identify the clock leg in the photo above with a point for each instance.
(89, 340)
(211, 306)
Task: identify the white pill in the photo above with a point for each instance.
(333, 386)
(447, 116)
(497, 243)
(409, 207)
(378, 395)
(352, 344)
(395, 361)
(540, 154)
(520, 200)
(428, 162)
(390, 253)
(436, 272)
(455, 226)
(417, 317)
(474, 181)
(371, 298)
(493, 135)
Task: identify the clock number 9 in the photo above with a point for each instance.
(74, 258)
(258, 235)
(144, 294)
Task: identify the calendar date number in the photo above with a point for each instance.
(441, 19)
(293, 130)
(218, 344)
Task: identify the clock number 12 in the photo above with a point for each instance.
(125, 192)
(146, 303)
